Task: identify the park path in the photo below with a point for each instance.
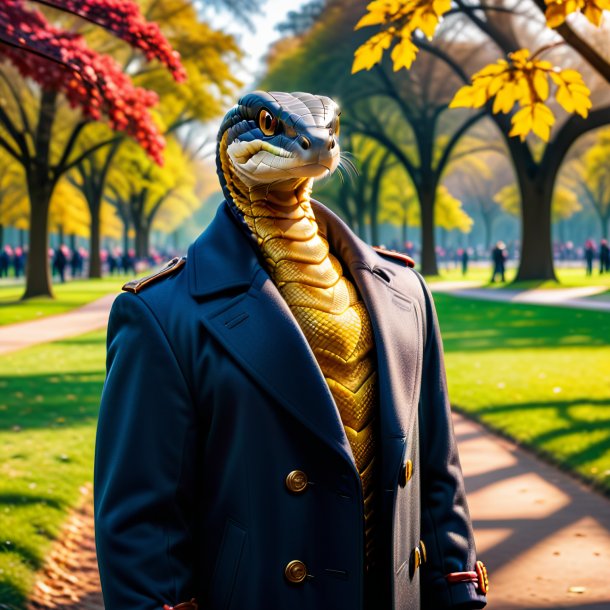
(92, 316)
(562, 297)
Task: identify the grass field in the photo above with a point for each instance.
(539, 374)
(68, 296)
(569, 277)
(49, 398)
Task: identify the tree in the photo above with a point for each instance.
(94, 83)
(206, 56)
(406, 116)
(476, 179)
(593, 179)
(520, 78)
(13, 197)
(139, 189)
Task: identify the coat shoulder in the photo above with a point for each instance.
(169, 269)
(399, 257)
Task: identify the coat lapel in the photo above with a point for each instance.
(389, 294)
(242, 308)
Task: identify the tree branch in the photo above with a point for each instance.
(90, 151)
(455, 137)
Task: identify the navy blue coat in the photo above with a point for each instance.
(213, 396)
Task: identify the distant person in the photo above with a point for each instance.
(589, 255)
(498, 256)
(76, 264)
(464, 258)
(5, 261)
(59, 263)
(113, 262)
(18, 261)
(604, 256)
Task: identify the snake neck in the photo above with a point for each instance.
(284, 226)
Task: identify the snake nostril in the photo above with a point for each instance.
(305, 143)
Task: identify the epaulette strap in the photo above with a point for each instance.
(405, 258)
(136, 285)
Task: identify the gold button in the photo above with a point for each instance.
(407, 472)
(296, 481)
(424, 553)
(483, 578)
(296, 571)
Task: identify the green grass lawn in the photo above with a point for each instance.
(68, 296)
(49, 399)
(539, 374)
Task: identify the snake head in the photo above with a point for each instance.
(274, 137)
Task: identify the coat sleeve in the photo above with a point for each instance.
(143, 470)
(446, 526)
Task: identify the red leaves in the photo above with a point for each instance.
(124, 19)
(89, 80)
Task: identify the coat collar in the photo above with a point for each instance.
(243, 309)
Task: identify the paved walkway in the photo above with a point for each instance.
(544, 537)
(92, 316)
(561, 297)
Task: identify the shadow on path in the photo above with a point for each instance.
(544, 537)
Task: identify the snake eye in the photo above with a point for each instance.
(267, 122)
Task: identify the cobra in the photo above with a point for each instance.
(271, 149)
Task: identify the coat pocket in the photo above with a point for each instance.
(227, 565)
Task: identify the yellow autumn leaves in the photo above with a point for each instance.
(558, 10)
(521, 80)
(408, 15)
(525, 81)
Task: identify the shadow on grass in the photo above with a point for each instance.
(11, 594)
(469, 324)
(569, 425)
(51, 400)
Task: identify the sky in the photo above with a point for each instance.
(255, 43)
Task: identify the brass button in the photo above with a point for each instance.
(296, 481)
(483, 579)
(424, 553)
(407, 472)
(296, 571)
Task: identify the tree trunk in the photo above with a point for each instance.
(41, 183)
(404, 231)
(361, 230)
(487, 228)
(73, 241)
(38, 273)
(428, 259)
(142, 240)
(21, 238)
(95, 261)
(536, 237)
(374, 227)
(60, 235)
(1, 236)
(125, 237)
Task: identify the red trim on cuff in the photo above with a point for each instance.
(478, 577)
(462, 577)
